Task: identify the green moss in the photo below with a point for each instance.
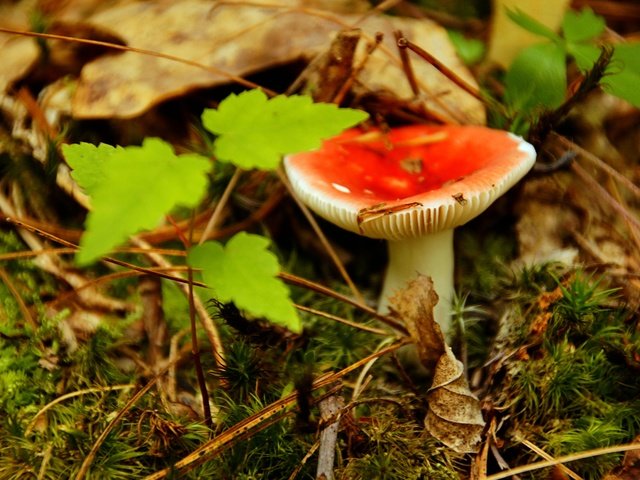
(274, 452)
(567, 385)
(396, 449)
(564, 383)
(589, 433)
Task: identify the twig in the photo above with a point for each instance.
(363, 380)
(344, 321)
(53, 265)
(546, 456)
(549, 120)
(174, 355)
(403, 43)
(66, 250)
(564, 459)
(62, 297)
(380, 8)
(195, 346)
(46, 458)
(36, 113)
(209, 328)
(287, 277)
(270, 413)
(215, 216)
(316, 287)
(479, 465)
(26, 314)
(329, 409)
(201, 309)
(195, 354)
(155, 326)
(304, 460)
(355, 71)
(598, 162)
(67, 396)
(406, 64)
(606, 196)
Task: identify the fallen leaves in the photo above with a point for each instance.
(454, 415)
(18, 53)
(210, 34)
(414, 306)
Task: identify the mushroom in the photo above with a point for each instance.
(412, 186)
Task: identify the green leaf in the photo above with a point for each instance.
(470, 50)
(254, 131)
(537, 79)
(133, 189)
(532, 25)
(585, 55)
(581, 26)
(244, 272)
(87, 162)
(624, 73)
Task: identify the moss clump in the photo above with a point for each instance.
(569, 379)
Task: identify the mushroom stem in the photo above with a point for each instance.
(430, 255)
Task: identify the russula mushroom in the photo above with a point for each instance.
(411, 186)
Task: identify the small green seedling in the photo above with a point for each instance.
(133, 188)
(537, 78)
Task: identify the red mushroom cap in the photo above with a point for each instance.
(410, 181)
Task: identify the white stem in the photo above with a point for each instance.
(430, 255)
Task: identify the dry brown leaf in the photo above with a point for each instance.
(18, 53)
(454, 416)
(414, 306)
(239, 38)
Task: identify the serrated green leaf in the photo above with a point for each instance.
(537, 79)
(255, 132)
(532, 25)
(139, 186)
(582, 25)
(624, 73)
(470, 50)
(87, 162)
(244, 272)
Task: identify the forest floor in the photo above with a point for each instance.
(120, 368)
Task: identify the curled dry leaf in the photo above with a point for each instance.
(238, 38)
(414, 306)
(454, 415)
